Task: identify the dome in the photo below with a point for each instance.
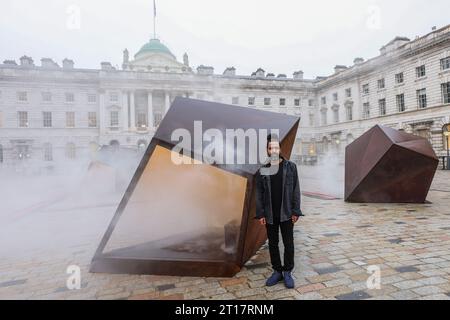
(154, 45)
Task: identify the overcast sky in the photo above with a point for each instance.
(281, 36)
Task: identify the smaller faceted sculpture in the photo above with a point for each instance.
(385, 165)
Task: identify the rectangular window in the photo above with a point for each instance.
(235, 100)
(92, 98)
(324, 117)
(400, 102)
(381, 84)
(70, 119)
(46, 96)
(22, 117)
(267, 101)
(282, 101)
(311, 120)
(445, 88)
(445, 63)
(420, 71)
(422, 98)
(382, 106)
(336, 115)
(48, 152)
(71, 151)
(113, 97)
(311, 102)
(348, 92)
(115, 118)
(92, 119)
(251, 101)
(47, 119)
(365, 89)
(349, 113)
(297, 102)
(69, 97)
(158, 118)
(141, 120)
(324, 100)
(22, 96)
(399, 78)
(335, 96)
(366, 110)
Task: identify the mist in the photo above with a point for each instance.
(71, 205)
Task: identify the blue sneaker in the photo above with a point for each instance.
(288, 280)
(274, 279)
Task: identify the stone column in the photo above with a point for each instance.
(132, 112)
(125, 110)
(102, 112)
(167, 103)
(150, 109)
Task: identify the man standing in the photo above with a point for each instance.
(278, 207)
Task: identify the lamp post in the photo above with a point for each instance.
(446, 133)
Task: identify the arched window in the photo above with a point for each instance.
(93, 146)
(325, 143)
(114, 143)
(350, 138)
(446, 137)
(70, 150)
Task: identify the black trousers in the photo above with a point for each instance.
(287, 233)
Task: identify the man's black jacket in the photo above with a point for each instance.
(290, 204)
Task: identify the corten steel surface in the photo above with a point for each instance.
(385, 165)
(191, 220)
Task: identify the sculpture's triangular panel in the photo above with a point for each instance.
(192, 219)
(184, 113)
(363, 159)
(402, 174)
(421, 146)
(397, 136)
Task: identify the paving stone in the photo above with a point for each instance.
(404, 295)
(310, 288)
(328, 270)
(357, 295)
(428, 290)
(12, 283)
(407, 269)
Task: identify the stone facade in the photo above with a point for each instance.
(49, 112)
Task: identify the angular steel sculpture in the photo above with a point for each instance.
(385, 165)
(191, 219)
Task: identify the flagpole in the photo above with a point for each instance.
(154, 19)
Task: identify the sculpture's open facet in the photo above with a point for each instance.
(385, 165)
(190, 219)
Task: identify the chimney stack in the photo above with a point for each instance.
(298, 75)
(26, 61)
(67, 64)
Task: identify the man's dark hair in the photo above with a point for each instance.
(271, 138)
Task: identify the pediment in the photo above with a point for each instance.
(157, 61)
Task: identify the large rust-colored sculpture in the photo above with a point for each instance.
(385, 165)
(191, 219)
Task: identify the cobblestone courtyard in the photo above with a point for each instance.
(334, 246)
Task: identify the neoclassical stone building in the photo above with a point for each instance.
(51, 112)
